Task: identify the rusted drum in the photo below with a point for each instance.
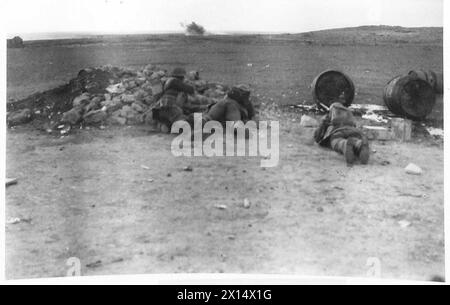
(330, 85)
(409, 96)
(435, 80)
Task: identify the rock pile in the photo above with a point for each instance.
(104, 96)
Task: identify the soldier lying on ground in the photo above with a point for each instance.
(236, 106)
(179, 97)
(338, 131)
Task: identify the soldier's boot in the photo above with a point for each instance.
(345, 147)
(349, 151)
(363, 150)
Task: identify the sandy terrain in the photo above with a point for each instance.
(88, 196)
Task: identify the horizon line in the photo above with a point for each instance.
(88, 34)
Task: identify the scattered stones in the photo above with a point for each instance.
(413, 169)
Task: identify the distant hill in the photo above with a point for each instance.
(372, 35)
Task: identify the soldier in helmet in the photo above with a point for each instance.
(175, 90)
(174, 100)
(338, 131)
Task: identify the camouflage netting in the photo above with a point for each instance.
(103, 96)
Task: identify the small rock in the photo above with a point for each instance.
(137, 107)
(66, 129)
(81, 100)
(140, 95)
(156, 87)
(247, 203)
(19, 117)
(116, 89)
(188, 169)
(128, 112)
(16, 220)
(11, 181)
(193, 75)
(145, 167)
(404, 223)
(128, 98)
(413, 169)
(221, 207)
(13, 221)
(112, 105)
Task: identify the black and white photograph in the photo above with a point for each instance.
(293, 138)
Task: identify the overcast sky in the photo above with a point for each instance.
(128, 16)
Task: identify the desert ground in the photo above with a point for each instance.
(118, 200)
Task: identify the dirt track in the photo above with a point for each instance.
(88, 196)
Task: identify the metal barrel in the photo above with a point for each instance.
(434, 79)
(439, 83)
(330, 85)
(409, 96)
